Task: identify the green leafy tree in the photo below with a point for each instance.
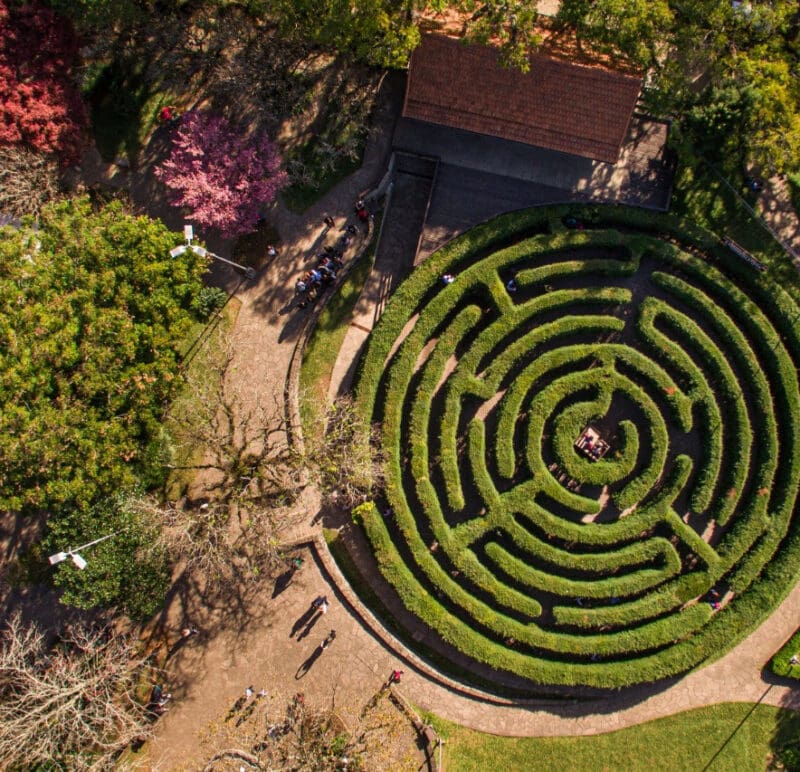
(631, 29)
(728, 70)
(379, 32)
(92, 313)
(128, 571)
(772, 125)
(511, 24)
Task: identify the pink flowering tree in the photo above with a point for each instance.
(220, 175)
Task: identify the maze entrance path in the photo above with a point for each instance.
(520, 551)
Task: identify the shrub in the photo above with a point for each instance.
(40, 107)
(209, 300)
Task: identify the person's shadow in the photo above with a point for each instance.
(302, 620)
(246, 713)
(309, 663)
(236, 707)
(310, 625)
(282, 582)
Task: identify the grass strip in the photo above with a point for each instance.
(729, 736)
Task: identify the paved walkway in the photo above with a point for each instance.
(775, 205)
(737, 677)
(404, 216)
(251, 646)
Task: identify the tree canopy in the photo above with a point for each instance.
(92, 314)
(72, 703)
(220, 174)
(731, 68)
(379, 32)
(128, 571)
(40, 107)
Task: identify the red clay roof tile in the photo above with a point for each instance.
(557, 105)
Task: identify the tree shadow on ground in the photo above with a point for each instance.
(785, 742)
(230, 606)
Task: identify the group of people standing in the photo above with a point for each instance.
(330, 260)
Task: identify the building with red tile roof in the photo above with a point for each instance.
(557, 105)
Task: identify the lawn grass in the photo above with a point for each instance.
(780, 664)
(702, 197)
(730, 736)
(206, 349)
(323, 347)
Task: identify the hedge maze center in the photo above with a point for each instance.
(515, 545)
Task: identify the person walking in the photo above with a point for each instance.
(318, 602)
(328, 641)
(329, 222)
(395, 677)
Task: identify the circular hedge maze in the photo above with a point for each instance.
(533, 555)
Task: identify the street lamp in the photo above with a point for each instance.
(188, 234)
(77, 559)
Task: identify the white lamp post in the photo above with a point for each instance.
(77, 559)
(188, 234)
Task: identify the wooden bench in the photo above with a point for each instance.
(742, 253)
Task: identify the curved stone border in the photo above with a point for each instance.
(734, 678)
(316, 541)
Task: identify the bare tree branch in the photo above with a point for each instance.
(347, 468)
(28, 180)
(73, 702)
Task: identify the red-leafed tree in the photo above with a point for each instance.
(222, 176)
(40, 107)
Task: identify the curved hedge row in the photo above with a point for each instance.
(520, 550)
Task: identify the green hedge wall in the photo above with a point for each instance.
(512, 545)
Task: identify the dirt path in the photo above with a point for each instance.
(261, 652)
(775, 205)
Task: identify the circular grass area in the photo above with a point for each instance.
(526, 552)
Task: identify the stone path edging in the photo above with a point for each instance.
(269, 361)
(735, 677)
(334, 573)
